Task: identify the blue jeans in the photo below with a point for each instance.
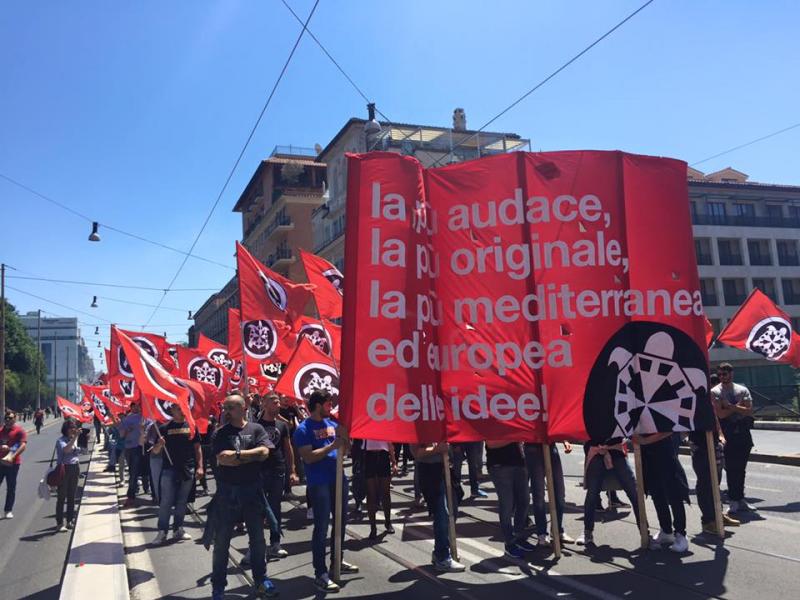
(239, 503)
(135, 460)
(273, 490)
(9, 474)
(595, 473)
(432, 485)
(534, 459)
(156, 465)
(511, 484)
(473, 453)
(322, 499)
(174, 492)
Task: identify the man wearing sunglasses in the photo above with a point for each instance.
(734, 407)
(13, 441)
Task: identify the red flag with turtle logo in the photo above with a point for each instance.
(71, 410)
(309, 370)
(329, 283)
(761, 327)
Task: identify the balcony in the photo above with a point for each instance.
(281, 221)
(328, 241)
(279, 256)
(746, 221)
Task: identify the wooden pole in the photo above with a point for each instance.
(2, 339)
(336, 559)
(555, 530)
(451, 508)
(711, 451)
(643, 529)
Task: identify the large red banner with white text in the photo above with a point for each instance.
(521, 297)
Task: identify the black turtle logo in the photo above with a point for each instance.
(336, 278)
(649, 377)
(221, 357)
(272, 371)
(770, 337)
(316, 377)
(122, 360)
(260, 338)
(275, 291)
(317, 335)
(203, 370)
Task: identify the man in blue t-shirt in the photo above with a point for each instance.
(316, 441)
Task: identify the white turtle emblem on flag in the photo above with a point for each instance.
(315, 377)
(651, 385)
(770, 337)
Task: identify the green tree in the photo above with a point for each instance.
(22, 358)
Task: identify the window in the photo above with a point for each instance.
(716, 325)
(716, 211)
(774, 211)
(702, 249)
(787, 253)
(767, 286)
(796, 324)
(791, 291)
(759, 252)
(733, 289)
(742, 209)
(708, 291)
(730, 252)
(794, 212)
(693, 208)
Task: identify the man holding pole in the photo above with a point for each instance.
(317, 443)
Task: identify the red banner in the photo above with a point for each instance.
(72, 411)
(93, 394)
(329, 283)
(761, 327)
(521, 297)
(309, 370)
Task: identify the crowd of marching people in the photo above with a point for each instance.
(264, 445)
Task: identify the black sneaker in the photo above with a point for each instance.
(324, 584)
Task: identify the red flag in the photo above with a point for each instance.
(93, 394)
(234, 334)
(266, 295)
(197, 366)
(154, 345)
(761, 327)
(156, 386)
(329, 283)
(308, 370)
(323, 334)
(203, 401)
(709, 333)
(217, 352)
(521, 297)
(72, 411)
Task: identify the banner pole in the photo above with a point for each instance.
(555, 530)
(711, 451)
(643, 529)
(451, 508)
(336, 559)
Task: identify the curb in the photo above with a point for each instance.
(96, 559)
(791, 460)
(777, 425)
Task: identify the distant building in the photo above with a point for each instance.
(61, 345)
(276, 207)
(429, 144)
(747, 235)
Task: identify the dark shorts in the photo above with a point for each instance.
(377, 464)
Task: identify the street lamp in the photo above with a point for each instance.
(94, 236)
(94, 302)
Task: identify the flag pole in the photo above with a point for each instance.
(711, 451)
(643, 529)
(555, 530)
(451, 508)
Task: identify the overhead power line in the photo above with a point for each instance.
(238, 159)
(750, 143)
(83, 312)
(135, 236)
(546, 79)
(111, 285)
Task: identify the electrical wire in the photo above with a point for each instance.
(238, 159)
(111, 285)
(750, 143)
(546, 79)
(184, 310)
(106, 225)
(83, 312)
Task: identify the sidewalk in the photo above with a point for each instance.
(96, 558)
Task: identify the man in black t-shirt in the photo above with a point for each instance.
(240, 447)
(278, 466)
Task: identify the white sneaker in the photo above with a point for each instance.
(745, 505)
(542, 539)
(9, 515)
(160, 538)
(585, 539)
(181, 535)
(277, 551)
(662, 539)
(448, 565)
(62, 528)
(567, 538)
(681, 544)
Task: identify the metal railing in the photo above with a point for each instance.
(293, 151)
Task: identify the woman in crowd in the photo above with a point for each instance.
(67, 452)
(379, 465)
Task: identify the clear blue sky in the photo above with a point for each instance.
(133, 113)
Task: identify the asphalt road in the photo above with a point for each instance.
(32, 554)
(758, 560)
